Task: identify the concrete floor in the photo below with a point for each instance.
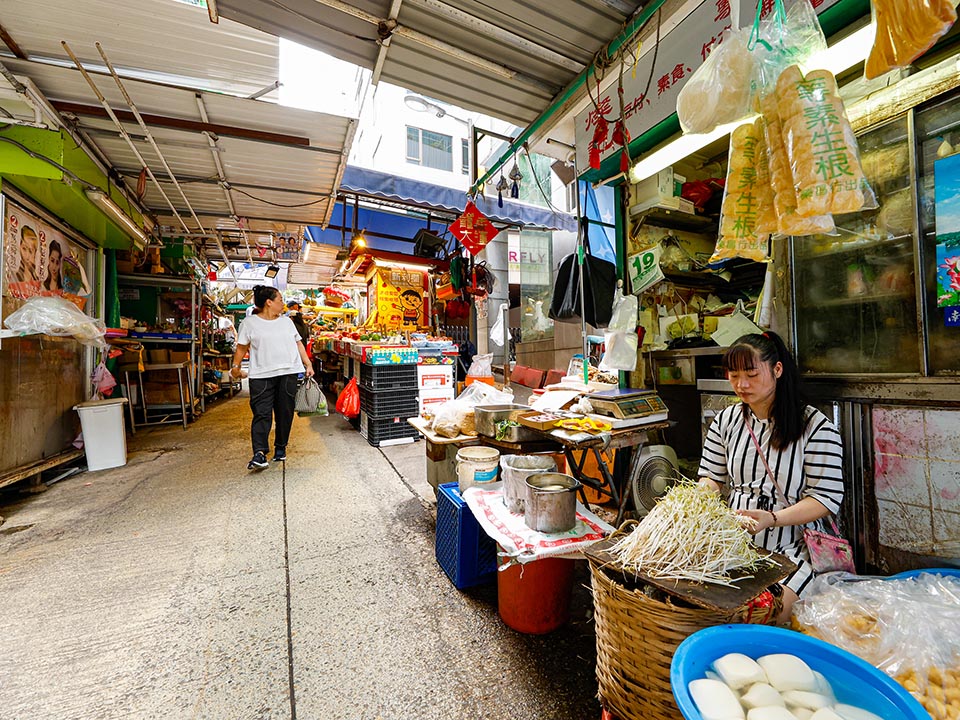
(182, 586)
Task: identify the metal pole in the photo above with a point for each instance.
(580, 243)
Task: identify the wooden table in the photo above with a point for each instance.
(555, 442)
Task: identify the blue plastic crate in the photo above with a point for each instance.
(465, 552)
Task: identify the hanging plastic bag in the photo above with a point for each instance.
(719, 91)
(906, 29)
(103, 380)
(599, 279)
(320, 409)
(50, 315)
(496, 332)
(620, 337)
(738, 218)
(348, 403)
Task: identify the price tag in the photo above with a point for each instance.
(644, 270)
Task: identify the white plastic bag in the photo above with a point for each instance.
(50, 315)
(496, 332)
(620, 337)
(482, 366)
(448, 418)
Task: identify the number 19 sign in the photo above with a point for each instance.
(644, 269)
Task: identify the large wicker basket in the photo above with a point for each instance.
(636, 638)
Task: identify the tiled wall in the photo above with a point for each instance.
(917, 479)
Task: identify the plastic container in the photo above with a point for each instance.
(387, 430)
(392, 403)
(534, 598)
(514, 471)
(477, 466)
(854, 681)
(388, 377)
(467, 554)
(947, 572)
(104, 436)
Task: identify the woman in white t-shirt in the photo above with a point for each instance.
(277, 357)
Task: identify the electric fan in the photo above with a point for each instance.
(654, 472)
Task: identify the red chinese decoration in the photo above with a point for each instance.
(473, 229)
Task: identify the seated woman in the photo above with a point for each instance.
(778, 460)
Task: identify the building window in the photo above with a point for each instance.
(429, 149)
(465, 156)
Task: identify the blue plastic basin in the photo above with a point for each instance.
(854, 681)
(948, 572)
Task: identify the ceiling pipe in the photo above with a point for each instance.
(123, 131)
(612, 48)
(149, 135)
(388, 26)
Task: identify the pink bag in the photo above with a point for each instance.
(829, 552)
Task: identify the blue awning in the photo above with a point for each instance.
(375, 224)
(427, 195)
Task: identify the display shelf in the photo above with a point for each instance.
(860, 247)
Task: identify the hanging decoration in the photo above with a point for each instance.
(516, 176)
(502, 185)
(473, 229)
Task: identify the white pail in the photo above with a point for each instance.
(477, 466)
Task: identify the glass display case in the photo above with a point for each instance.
(855, 292)
(938, 174)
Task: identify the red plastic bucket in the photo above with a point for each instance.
(535, 598)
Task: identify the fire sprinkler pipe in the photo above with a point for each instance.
(123, 131)
(149, 135)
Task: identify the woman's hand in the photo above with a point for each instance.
(235, 373)
(756, 521)
(308, 370)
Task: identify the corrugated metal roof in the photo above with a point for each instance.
(507, 60)
(278, 185)
(228, 57)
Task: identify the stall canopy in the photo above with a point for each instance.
(506, 60)
(427, 196)
(279, 166)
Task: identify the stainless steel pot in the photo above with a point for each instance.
(551, 503)
(487, 417)
(514, 471)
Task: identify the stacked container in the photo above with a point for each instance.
(388, 398)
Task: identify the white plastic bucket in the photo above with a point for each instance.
(104, 436)
(477, 466)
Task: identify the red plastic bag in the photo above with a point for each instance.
(348, 403)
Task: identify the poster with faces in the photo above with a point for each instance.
(39, 260)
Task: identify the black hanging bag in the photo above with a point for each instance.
(600, 281)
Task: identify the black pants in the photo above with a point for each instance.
(269, 398)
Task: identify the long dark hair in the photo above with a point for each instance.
(789, 402)
(262, 293)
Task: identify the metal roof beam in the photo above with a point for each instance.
(385, 29)
(191, 125)
(488, 29)
(438, 45)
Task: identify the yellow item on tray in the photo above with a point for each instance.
(906, 29)
(588, 425)
(738, 218)
(820, 146)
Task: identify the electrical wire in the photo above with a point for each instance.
(280, 205)
(37, 156)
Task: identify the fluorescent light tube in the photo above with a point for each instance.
(115, 212)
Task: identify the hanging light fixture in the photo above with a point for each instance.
(272, 271)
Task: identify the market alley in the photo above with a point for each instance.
(183, 586)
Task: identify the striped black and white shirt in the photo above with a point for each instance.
(810, 467)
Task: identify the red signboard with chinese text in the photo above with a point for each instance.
(473, 229)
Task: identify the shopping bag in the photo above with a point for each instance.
(829, 552)
(348, 404)
(308, 396)
(599, 282)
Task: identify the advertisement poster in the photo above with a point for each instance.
(39, 260)
(400, 298)
(946, 174)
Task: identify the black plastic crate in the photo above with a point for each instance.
(388, 377)
(403, 403)
(385, 431)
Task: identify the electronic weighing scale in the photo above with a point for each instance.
(628, 404)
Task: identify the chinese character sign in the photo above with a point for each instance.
(38, 260)
(473, 229)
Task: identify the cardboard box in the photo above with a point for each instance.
(436, 377)
(158, 357)
(179, 356)
(132, 359)
(431, 399)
